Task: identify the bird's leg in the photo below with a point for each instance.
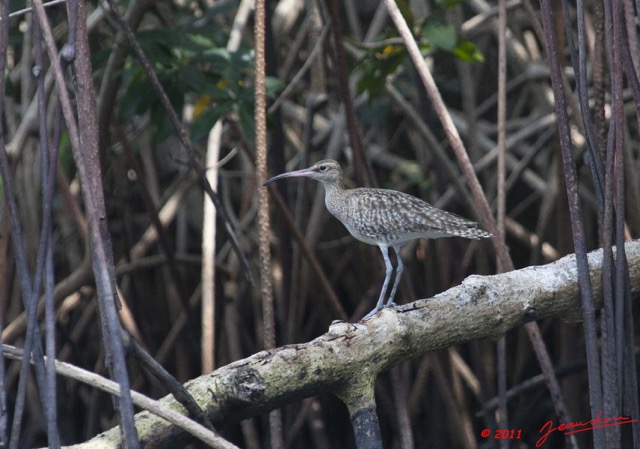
(389, 271)
(399, 270)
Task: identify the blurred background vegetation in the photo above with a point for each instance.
(445, 396)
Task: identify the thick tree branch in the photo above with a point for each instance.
(482, 307)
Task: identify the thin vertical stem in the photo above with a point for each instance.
(618, 294)
(266, 287)
(48, 158)
(208, 317)
(86, 155)
(503, 417)
(209, 228)
(575, 211)
(625, 331)
(579, 62)
(363, 174)
(610, 372)
(29, 290)
(502, 116)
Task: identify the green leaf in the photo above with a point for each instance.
(377, 65)
(157, 46)
(441, 36)
(192, 77)
(468, 51)
(219, 58)
(196, 42)
(205, 121)
(138, 97)
(216, 93)
(273, 84)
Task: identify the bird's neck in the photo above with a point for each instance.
(334, 199)
(333, 189)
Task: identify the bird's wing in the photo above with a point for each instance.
(376, 212)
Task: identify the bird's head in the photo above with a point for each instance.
(327, 172)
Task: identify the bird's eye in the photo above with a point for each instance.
(322, 168)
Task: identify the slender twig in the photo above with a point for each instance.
(502, 118)
(140, 400)
(48, 158)
(580, 71)
(501, 345)
(610, 373)
(4, 45)
(178, 390)
(303, 70)
(23, 11)
(209, 230)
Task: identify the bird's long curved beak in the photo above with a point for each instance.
(290, 174)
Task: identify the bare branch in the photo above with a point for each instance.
(483, 307)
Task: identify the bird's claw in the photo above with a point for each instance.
(371, 314)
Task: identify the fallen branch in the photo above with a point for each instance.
(348, 358)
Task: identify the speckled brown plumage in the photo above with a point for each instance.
(382, 217)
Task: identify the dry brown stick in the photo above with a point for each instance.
(111, 387)
(78, 278)
(264, 231)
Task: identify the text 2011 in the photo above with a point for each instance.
(502, 434)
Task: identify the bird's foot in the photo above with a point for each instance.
(371, 314)
(390, 305)
(341, 328)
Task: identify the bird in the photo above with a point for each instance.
(383, 217)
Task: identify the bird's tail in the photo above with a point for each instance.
(472, 231)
